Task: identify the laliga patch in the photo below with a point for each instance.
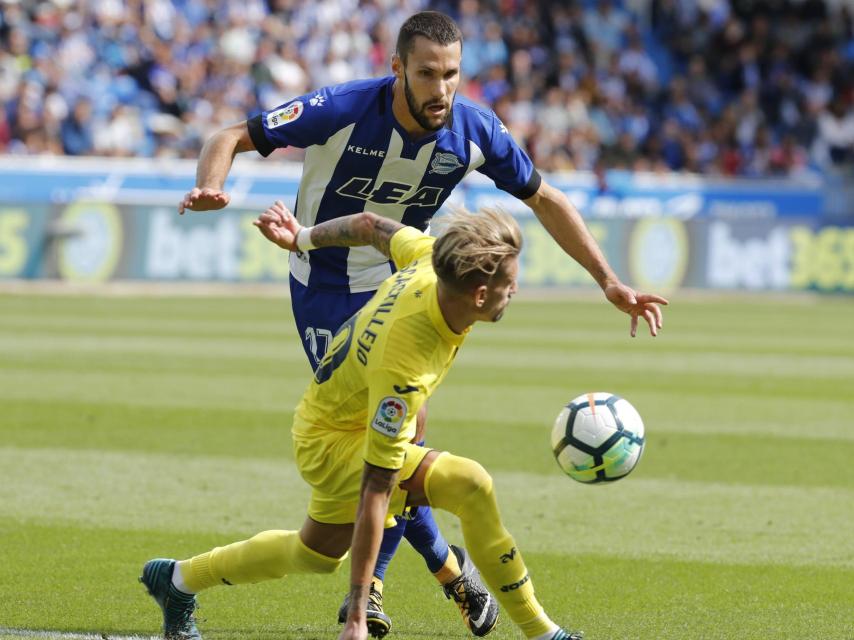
(389, 416)
(285, 115)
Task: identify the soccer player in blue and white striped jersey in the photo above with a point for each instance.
(396, 146)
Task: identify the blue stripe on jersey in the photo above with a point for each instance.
(360, 158)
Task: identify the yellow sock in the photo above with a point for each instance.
(268, 555)
(464, 488)
(378, 585)
(450, 570)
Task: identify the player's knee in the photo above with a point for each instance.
(330, 566)
(458, 483)
(475, 480)
(311, 561)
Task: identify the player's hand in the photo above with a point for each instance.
(279, 226)
(637, 305)
(206, 199)
(354, 631)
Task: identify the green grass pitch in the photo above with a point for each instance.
(133, 428)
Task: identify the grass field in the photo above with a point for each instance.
(133, 428)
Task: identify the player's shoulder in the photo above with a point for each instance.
(364, 90)
(409, 243)
(472, 120)
(348, 101)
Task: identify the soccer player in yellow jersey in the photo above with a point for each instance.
(354, 426)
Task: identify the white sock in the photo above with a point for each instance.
(178, 580)
(545, 636)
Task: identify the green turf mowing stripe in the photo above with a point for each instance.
(699, 521)
(724, 459)
(211, 431)
(66, 635)
(89, 582)
(165, 346)
(74, 324)
(204, 388)
(675, 452)
(547, 358)
(534, 407)
(695, 361)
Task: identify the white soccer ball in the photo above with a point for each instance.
(598, 437)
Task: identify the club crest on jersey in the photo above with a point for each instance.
(445, 163)
(285, 115)
(389, 416)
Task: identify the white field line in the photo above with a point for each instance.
(65, 635)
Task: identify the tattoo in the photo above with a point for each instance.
(335, 233)
(377, 479)
(384, 229)
(356, 230)
(358, 598)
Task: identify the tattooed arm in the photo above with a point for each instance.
(280, 227)
(377, 484)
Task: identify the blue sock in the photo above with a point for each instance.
(388, 547)
(423, 534)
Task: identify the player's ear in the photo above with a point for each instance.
(480, 295)
(397, 66)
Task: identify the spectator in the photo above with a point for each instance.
(76, 130)
(834, 145)
(718, 86)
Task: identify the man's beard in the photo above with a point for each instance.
(420, 115)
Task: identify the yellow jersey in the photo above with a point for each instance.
(385, 361)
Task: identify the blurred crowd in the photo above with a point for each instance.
(722, 87)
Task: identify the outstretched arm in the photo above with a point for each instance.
(377, 485)
(562, 220)
(360, 229)
(214, 164)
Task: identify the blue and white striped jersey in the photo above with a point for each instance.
(359, 158)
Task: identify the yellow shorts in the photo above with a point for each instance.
(331, 463)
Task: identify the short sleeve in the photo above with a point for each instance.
(302, 122)
(507, 164)
(409, 244)
(393, 402)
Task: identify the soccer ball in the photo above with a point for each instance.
(598, 437)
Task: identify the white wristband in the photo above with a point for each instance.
(304, 239)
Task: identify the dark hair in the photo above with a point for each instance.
(433, 25)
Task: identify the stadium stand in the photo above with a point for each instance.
(718, 87)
